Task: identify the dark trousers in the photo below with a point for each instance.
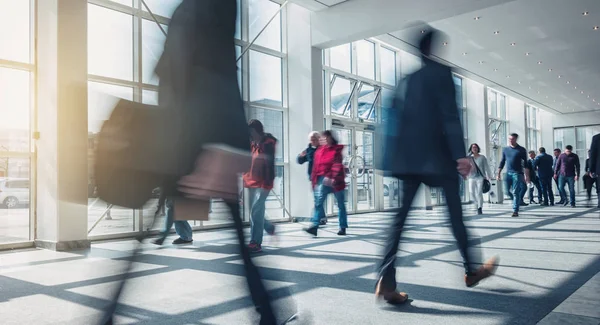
(547, 192)
(588, 183)
(387, 270)
(258, 292)
(536, 184)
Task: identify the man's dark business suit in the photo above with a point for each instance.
(425, 116)
(595, 161)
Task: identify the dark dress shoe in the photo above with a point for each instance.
(312, 230)
(485, 271)
(180, 241)
(342, 232)
(158, 241)
(479, 211)
(523, 204)
(515, 214)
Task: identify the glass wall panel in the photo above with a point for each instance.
(391, 193)
(15, 30)
(15, 107)
(366, 102)
(272, 121)
(564, 137)
(110, 43)
(259, 14)
(265, 79)
(153, 44)
(14, 199)
(341, 90)
(340, 57)
(365, 59)
(163, 8)
(388, 66)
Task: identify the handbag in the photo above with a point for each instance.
(486, 183)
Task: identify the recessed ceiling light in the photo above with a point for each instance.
(585, 13)
(480, 62)
(596, 27)
(529, 87)
(575, 87)
(582, 92)
(539, 62)
(422, 32)
(519, 82)
(549, 70)
(527, 53)
(588, 96)
(513, 44)
(445, 43)
(495, 70)
(507, 76)
(464, 53)
(568, 82)
(497, 32)
(477, 18)
(559, 76)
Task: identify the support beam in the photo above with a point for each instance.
(360, 19)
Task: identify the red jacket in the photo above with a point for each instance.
(328, 162)
(262, 170)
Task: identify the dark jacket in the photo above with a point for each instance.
(309, 157)
(567, 165)
(544, 164)
(595, 155)
(329, 163)
(262, 170)
(425, 115)
(198, 81)
(531, 167)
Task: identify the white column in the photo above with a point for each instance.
(62, 124)
(300, 94)
(476, 114)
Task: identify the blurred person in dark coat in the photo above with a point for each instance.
(425, 115)
(198, 83)
(594, 169)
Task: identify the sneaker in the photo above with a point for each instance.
(254, 247)
(312, 230)
(180, 241)
(479, 211)
(515, 214)
(342, 232)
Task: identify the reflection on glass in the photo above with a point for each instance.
(272, 121)
(14, 110)
(153, 44)
(150, 97)
(366, 102)
(364, 170)
(265, 79)
(365, 57)
(388, 66)
(340, 57)
(259, 14)
(15, 195)
(15, 30)
(341, 90)
(163, 8)
(110, 45)
(101, 102)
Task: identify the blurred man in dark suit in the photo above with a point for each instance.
(594, 169)
(425, 115)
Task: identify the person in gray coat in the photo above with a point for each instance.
(425, 115)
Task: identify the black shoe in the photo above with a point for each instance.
(560, 202)
(572, 205)
(515, 214)
(523, 204)
(342, 232)
(545, 204)
(323, 222)
(566, 203)
(158, 241)
(551, 204)
(532, 202)
(479, 211)
(180, 241)
(312, 230)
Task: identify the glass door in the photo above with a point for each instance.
(360, 172)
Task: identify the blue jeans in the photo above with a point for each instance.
(182, 227)
(258, 197)
(321, 192)
(561, 187)
(515, 185)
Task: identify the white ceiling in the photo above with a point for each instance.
(554, 32)
(316, 5)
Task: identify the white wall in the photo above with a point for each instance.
(567, 120)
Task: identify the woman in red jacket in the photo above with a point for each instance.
(328, 176)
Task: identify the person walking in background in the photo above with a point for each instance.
(567, 171)
(259, 182)
(595, 163)
(182, 227)
(308, 155)
(329, 176)
(425, 115)
(478, 174)
(544, 165)
(533, 179)
(557, 153)
(588, 180)
(515, 158)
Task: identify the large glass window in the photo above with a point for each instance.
(533, 127)
(266, 85)
(581, 139)
(110, 43)
(387, 58)
(15, 107)
(365, 59)
(153, 44)
(15, 30)
(340, 57)
(259, 13)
